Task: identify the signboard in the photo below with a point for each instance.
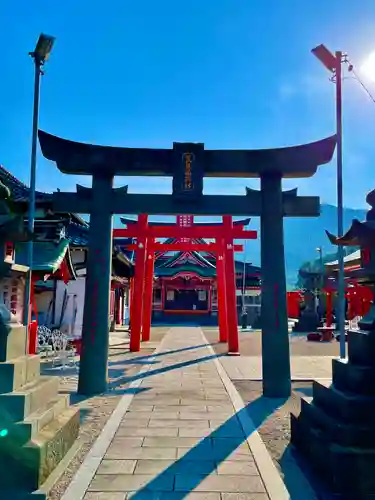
(185, 221)
(187, 171)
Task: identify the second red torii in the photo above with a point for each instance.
(145, 249)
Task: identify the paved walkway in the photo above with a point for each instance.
(183, 434)
(302, 367)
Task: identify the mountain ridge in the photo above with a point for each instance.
(302, 236)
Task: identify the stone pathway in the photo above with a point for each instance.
(182, 435)
(302, 367)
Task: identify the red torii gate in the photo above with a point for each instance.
(145, 248)
(154, 247)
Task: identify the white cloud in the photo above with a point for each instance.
(304, 85)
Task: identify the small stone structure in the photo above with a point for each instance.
(37, 426)
(335, 430)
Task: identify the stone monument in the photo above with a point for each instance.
(335, 430)
(309, 320)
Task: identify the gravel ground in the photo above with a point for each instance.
(275, 429)
(251, 344)
(95, 411)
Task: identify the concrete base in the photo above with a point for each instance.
(335, 430)
(40, 425)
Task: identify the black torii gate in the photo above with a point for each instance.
(187, 164)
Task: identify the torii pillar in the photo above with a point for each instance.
(275, 339)
(230, 289)
(148, 289)
(136, 312)
(95, 339)
(221, 294)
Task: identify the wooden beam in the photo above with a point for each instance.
(165, 204)
(211, 232)
(184, 247)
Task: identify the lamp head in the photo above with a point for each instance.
(325, 57)
(43, 48)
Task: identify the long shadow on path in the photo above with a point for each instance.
(188, 472)
(157, 355)
(163, 369)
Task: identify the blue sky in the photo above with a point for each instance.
(229, 73)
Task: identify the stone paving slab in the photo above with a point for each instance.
(180, 437)
(302, 367)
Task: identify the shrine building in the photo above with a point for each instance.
(185, 285)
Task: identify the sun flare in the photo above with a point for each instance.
(368, 67)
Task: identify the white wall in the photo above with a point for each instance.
(43, 301)
(77, 256)
(76, 296)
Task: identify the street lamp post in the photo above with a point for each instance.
(334, 64)
(321, 266)
(40, 55)
(321, 279)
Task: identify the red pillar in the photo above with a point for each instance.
(329, 307)
(149, 279)
(221, 294)
(139, 276)
(118, 306)
(230, 287)
(122, 302)
(33, 326)
(131, 297)
(162, 295)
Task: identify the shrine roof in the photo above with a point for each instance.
(19, 190)
(206, 272)
(86, 159)
(242, 222)
(121, 263)
(201, 261)
(12, 228)
(77, 234)
(359, 234)
(21, 193)
(347, 259)
(162, 255)
(47, 256)
(250, 269)
(164, 262)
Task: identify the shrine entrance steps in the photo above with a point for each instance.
(180, 434)
(38, 427)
